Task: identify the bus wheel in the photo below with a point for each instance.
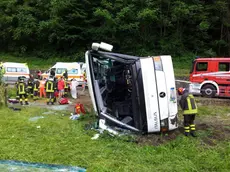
(208, 90)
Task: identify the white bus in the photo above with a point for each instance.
(135, 93)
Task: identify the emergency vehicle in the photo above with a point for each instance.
(129, 92)
(14, 70)
(210, 77)
(74, 70)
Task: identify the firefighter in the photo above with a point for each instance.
(50, 87)
(189, 107)
(39, 74)
(21, 87)
(66, 87)
(30, 84)
(36, 85)
(65, 75)
(84, 82)
(16, 85)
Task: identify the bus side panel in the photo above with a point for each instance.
(150, 92)
(89, 81)
(171, 91)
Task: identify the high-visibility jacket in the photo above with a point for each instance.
(50, 86)
(66, 84)
(188, 104)
(84, 77)
(36, 85)
(21, 88)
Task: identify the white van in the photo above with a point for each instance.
(14, 70)
(136, 93)
(74, 70)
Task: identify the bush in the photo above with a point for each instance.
(2, 95)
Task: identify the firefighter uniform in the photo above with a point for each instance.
(50, 87)
(30, 84)
(84, 82)
(21, 87)
(65, 88)
(65, 75)
(189, 107)
(36, 84)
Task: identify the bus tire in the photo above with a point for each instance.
(208, 90)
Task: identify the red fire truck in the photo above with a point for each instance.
(210, 77)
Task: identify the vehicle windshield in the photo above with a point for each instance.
(115, 86)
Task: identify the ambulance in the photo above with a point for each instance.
(74, 70)
(14, 70)
(130, 92)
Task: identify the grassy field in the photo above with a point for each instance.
(181, 68)
(63, 141)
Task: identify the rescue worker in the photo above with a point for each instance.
(39, 74)
(50, 87)
(65, 75)
(21, 86)
(84, 82)
(42, 87)
(30, 84)
(66, 87)
(52, 73)
(16, 85)
(36, 85)
(189, 107)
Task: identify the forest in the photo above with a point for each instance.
(140, 27)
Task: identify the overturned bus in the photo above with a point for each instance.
(129, 92)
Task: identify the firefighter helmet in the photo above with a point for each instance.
(180, 90)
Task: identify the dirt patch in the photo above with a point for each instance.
(158, 139)
(208, 134)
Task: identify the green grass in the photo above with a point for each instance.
(63, 141)
(181, 72)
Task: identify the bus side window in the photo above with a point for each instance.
(61, 70)
(11, 69)
(202, 66)
(223, 66)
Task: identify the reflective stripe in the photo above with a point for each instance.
(192, 108)
(21, 88)
(49, 86)
(193, 125)
(187, 131)
(186, 127)
(66, 86)
(192, 129)
(26, 100)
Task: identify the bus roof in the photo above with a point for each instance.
(12, 64)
